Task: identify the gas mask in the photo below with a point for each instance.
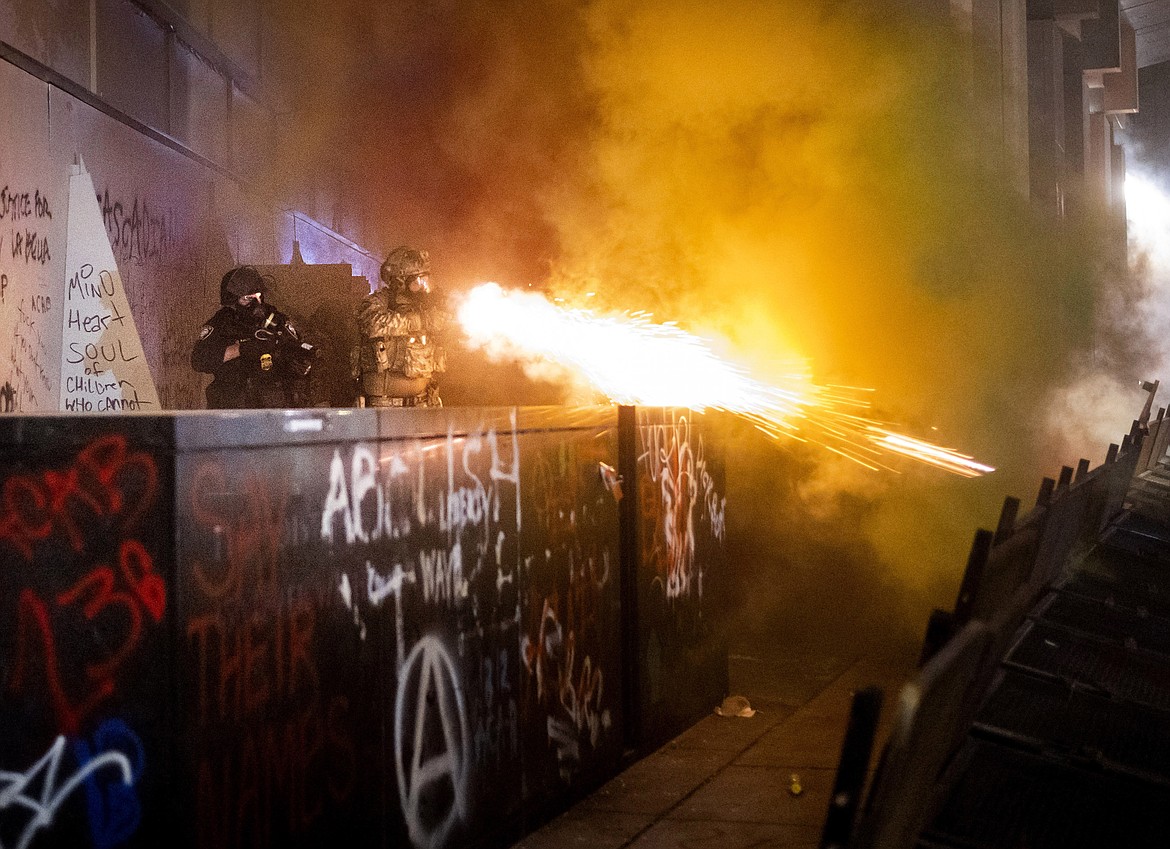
(243, 290)
(252, 307)
(414, 289)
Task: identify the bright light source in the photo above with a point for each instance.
(1148, 211)
(635, 361)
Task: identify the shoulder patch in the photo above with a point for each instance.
(206, 331)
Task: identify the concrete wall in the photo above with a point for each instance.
(172, 108)
(175, 225)
(993, 35)
(1149, 130)
(1082, 76)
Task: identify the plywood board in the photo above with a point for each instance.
(32, 241)
(103, 366)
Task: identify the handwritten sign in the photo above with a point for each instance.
(103, 366)
(32, 234)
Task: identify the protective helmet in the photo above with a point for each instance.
(240, 281)
(404, 263)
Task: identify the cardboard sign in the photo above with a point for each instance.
(103, 366)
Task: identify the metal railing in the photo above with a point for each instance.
(1007, 573)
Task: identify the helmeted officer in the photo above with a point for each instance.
(398, 356)
(255, 353)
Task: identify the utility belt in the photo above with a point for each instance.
(389, 384)
(392, 401)
(246, 393)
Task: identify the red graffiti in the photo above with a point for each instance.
(539, 654)
(249, 521)
(110, 609)
(106, 481)
(586, 595)
(32, 624)
(285, 747)
(276, 781)
(137, 567)
(570, 688)
(670, 499)
(245, 668)
(582, 699)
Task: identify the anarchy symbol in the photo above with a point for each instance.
(432, 759)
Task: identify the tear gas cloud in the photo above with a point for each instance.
(1129, 343)
(797, 178)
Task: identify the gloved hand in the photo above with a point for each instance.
(273, 320)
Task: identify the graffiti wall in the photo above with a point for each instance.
(308, 628)
(681, 507)
(86, 701)
(280, 693)
(436, 611)
(173, 224)
(570, 617)
(32, 234)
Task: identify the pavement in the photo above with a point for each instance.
(728, 782)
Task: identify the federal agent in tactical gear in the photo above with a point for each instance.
(398, 357)
(256, 354)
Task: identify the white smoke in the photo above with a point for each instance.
(1133, 332)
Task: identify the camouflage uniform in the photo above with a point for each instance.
(398, 357)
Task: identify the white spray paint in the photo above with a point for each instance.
(429, 681)
(44, 808)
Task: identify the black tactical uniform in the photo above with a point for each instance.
(273, 362)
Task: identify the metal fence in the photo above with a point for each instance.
(931, 750)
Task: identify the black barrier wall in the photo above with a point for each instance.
(361, 628)
(87, 564)
(680, 660)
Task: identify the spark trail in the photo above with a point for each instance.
(634, 361)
